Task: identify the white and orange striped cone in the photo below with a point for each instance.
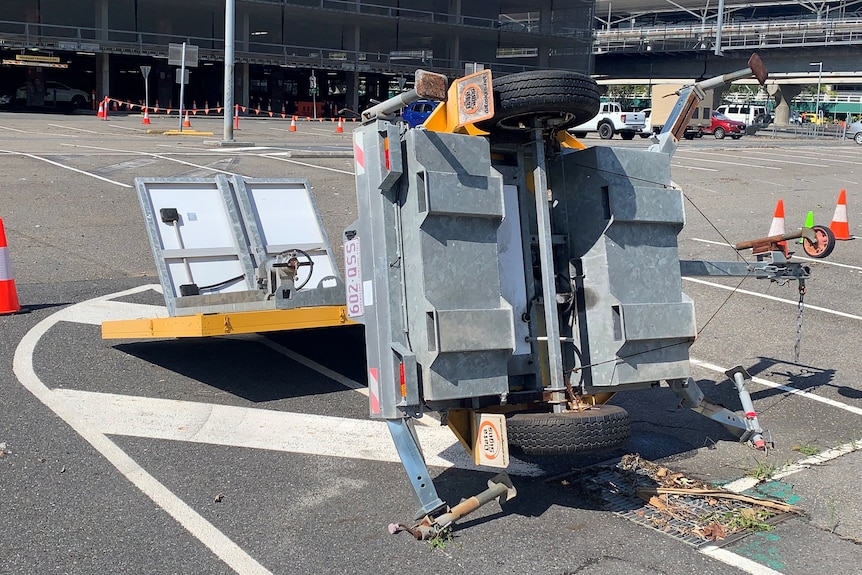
(339, 129)
(293, 124)
(840, 226)
(107, 105)
(146, 120)
(101, 112)
(777, 226)
(186, 122)
(194, 108)
(8, 294)
(206, 107)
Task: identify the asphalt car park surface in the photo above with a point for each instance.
(255, 454)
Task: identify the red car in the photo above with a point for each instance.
(723, 126)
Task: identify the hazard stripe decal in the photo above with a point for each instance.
(374, 389)
(358, 153)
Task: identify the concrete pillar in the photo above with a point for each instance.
(545, 27)
(103, 68)
(351, 98)
(103, 75)
(244, 84)
(455, 40)
(783, 94)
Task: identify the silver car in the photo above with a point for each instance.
(854, 132)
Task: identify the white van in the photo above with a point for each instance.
(747, 113)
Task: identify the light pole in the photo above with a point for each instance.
(819, 77)
(229, 32)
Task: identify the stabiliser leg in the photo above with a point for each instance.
(747, 428)
(407, 444)
(434, 515)
(499, 487)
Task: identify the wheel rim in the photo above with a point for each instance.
(546, 120)
(719, 133)
(824, 243)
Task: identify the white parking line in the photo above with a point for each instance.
(265, 429)
(694, 168)
(221, 545)
(712, 153)
(723, 162)
(72, 128)
(59, 165)
(274, 157)
(773, 298)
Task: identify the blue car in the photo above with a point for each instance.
(417, 112)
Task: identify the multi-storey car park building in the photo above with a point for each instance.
(802, 42)
(355, 50)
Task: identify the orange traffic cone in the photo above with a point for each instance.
(101, 112)
(777, 227)
(194, 108)
(146, 120)
(115, 106)
(839, 226)
(186, 122)
(207, 107)
(339, 129)
(293, 124)
(8, 295)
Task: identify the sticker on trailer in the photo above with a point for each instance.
(353, 278)
(490, 443)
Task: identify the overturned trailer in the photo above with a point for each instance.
(509, 278)
(513, 280)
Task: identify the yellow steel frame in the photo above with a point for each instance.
(205, 325)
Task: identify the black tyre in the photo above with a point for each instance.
(606, 131)
(600, 428)
(736, 137)
(824, 243)
(584, 134)
(718, 133)
(858, 138)
(642, 135)
(688, 136)
(627, 135)
(78, 102)
(560, 97)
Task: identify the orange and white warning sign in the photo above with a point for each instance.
(475, 99)
(490, 444)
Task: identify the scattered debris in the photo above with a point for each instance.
(218, 498)
(685, 508)
(3, 451)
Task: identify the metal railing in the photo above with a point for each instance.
(734, 36)
(23, 35)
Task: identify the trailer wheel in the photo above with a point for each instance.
(627, 135)
(824, 243)
(600, 428)
(559, 97)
